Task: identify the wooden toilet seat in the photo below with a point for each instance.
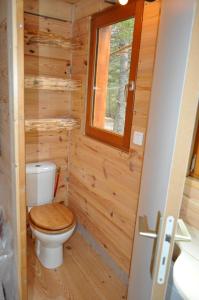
(51, 218)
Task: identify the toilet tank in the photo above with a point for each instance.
(40, 183)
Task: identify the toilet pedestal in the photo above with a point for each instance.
(50, 257)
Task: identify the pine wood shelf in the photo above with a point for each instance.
(54, 124)
(51, 83)
(51, 39)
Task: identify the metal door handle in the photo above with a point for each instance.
(144, 228)
(182, 233)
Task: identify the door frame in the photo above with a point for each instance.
(182, 146)
(15, 13)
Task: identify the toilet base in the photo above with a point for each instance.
(49, 248)
(50, 257)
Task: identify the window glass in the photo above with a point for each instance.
(111, 79)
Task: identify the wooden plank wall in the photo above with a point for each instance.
(59, 9)
(104, 182)
(54, 17)
(190, 202)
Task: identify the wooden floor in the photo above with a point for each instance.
(83, 276)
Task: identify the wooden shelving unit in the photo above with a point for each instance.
(51, 39)
(54, 124)
(51, 83)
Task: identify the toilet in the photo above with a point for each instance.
(52, 224)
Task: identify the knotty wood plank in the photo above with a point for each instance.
(51, 124)
(88, 7)
(46, 104)
(37, 23)
(190, 202)
(46, 66)
(59, 9)
(51, 83)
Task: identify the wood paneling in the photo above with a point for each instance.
(36, 24)
(104, 182)
(46, 66)
(86, 8)
(46, 104)
(45, 24)
(73, 1)
(47, 60)
(190, 203)
(51, 83)
(50, 125)
(83, 276)
(59, 9)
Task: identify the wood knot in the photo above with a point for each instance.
(68, 247)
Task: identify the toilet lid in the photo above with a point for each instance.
(52, 217)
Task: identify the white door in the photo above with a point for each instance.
(173, 109)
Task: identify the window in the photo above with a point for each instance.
(114, 51)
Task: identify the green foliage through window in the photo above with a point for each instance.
(119, 68)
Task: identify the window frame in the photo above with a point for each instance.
(107, 17)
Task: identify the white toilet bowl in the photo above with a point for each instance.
(49, 247)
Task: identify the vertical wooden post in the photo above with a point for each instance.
(16, 99)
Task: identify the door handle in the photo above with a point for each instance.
(182, 233)
(144, 228)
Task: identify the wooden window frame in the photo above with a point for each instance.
(109, 16)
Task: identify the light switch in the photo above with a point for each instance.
(138, 138)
